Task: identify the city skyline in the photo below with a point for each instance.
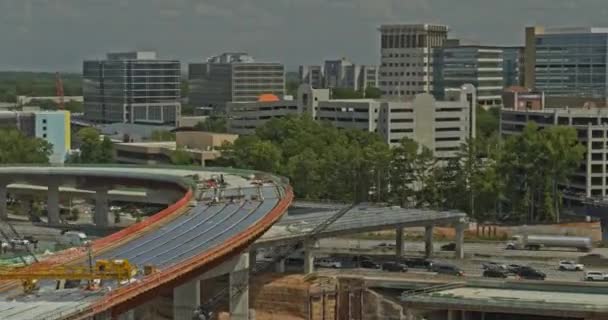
(58, 35)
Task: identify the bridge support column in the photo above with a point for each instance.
(428, 241)
(399, 242)
(52, 203)
(253, 256)
(186, 298)
(106, 315)
(101, 216)
(309, 258)
(459, 252)
(604, 229)
(3, 199)
(452, 315)
(239, 289)
(279, 266)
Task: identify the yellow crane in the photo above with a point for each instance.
(118, 269)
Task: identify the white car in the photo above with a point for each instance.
(570, 266)
(328, 263)
(595, 276)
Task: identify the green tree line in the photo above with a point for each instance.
(518, 176)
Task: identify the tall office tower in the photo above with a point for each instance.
(457, 64)
(407, 64)
(513, 66)
(132, 87)
(312, 75)
(568, 65)
(339, 73)
(233, 77)
(368, 77)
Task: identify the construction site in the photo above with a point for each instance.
(232, 244)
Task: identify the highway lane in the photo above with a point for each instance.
(477, 253)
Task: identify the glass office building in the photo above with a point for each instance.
(567, 62)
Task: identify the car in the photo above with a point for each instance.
(417, 263)
(368, 264)
(567, 265)
(593, 259)
(394, 266)
(495, 273)
(385, 246)
(493, 265)
(531, 274)
(514, 268)
(446, 268)
(328, 263)
(449, 247)
(595, 276)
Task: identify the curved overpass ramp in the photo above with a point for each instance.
(191, 236)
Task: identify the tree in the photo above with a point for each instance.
(181, 157)
(291, 87)
(16, 148)
(345, 93)
(373, 93)
(162, 135)
(93, 148)
(214, 124)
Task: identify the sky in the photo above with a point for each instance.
(56, 35)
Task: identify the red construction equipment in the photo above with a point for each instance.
(59, 90)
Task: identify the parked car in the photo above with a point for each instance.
(595, 276)
(531, 274)
(593, 259)
(449, 247)
(368, 264)
(328, 263)
(394, 266)
(384, 246)
(493, 265)
(417, 263)
(567, 265)
(445, 268)
(495, 273)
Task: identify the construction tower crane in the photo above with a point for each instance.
(59, 90)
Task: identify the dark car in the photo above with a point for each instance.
(394, 266)
(368, 264)
(449, 247)
(531, 274)
(445, 268)
(514, 268)
(495, 273)
(421, 263)
(493, 265)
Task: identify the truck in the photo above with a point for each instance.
(73, 238)
(536, 242)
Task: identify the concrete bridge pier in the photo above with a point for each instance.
(279, 266)
(239, 289)
(3, 199)
(309, 258)
(399, 249)
(186, 298)
(460, 228)
(101, 217)
(604, 229)
(129, 315)
(52, 204)
(428, 241)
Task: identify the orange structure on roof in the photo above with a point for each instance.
(268, 97)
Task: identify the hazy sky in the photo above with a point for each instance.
(58, 34)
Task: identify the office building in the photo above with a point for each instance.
(358, 114)
(202, 147)
(481, 66)
(513, 66)
(590, 179)
(233, 77)
(51, 126)
(520, 98)
(407, 52)
(441, 126)
(312, 75)
(132, 87)
(245, 117)
(568, 65)
(340, 73)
